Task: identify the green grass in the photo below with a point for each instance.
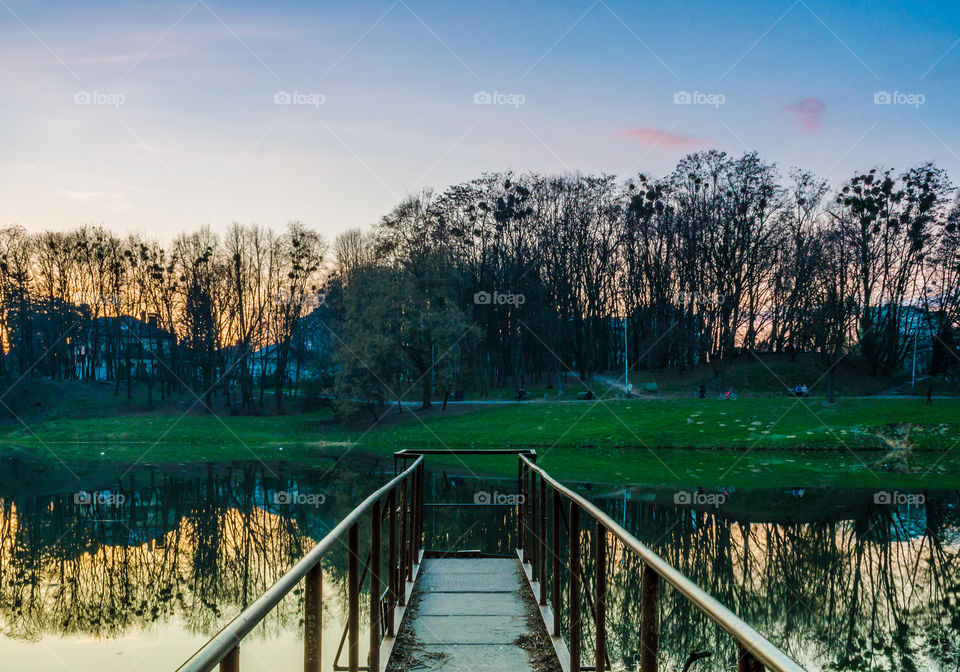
(686, 423)
(36, 399)
(759, 441)
(751, 375)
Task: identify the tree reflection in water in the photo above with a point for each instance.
(836, 581)
(198, 544)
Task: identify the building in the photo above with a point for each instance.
(309, 350)
(141, 342)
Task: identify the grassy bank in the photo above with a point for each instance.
(768, 441)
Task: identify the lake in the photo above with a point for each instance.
(108, 568)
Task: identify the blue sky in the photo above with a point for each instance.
(160, 117)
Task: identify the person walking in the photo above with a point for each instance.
(929, 394)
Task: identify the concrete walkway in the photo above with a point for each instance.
(470, 615)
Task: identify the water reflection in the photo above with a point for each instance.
(836, 579)
(184, 548)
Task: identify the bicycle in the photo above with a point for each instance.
(729, 394)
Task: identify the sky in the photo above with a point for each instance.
(160, 117)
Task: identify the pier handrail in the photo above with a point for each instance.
(223, 648)
(754, 649)
(403, 508)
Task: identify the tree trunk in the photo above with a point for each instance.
(426, 392)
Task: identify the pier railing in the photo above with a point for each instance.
(547, 512)
(542, 493)
(399, 503)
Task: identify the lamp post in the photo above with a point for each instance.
(913, 376)
(626, 361)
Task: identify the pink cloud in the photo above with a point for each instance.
(666, 139)
(808, 113)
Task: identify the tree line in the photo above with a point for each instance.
(512, 278)
(204, 308)
(504, 280)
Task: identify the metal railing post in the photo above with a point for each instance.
(376, 550)
(534, 542)
(543, 542)
(576, 626)
(353, 599)
(649, 619)
(412, 559)
(313, 619)
(392, 563)
(555, 540)
(423, 480)
(529, 549)
(746, 662)
(521, 510)
(519, 527)
(600, 617)
(231, 661)
(402, 554)
(412, 527)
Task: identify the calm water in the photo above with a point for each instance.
(138, 572)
